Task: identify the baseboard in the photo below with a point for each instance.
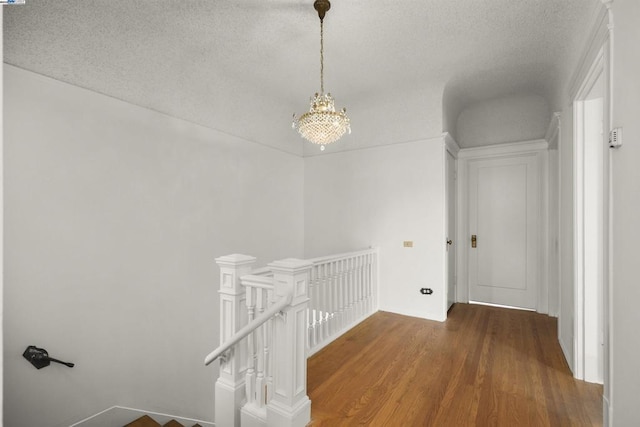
(118, 416)
(569, 361)
(606, 412)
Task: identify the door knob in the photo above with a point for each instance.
(449, 242)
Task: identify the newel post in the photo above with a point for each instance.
(289, 405)
(230, 384)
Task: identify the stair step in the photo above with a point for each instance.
(147, 421)
(143, 421)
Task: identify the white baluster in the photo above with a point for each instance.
(311, 312)
(343, 293)
(331, 286)
(250, 376)
(260, 381)
(338, 296)
(317, 296)
(361, 284)
(356, 300)
(374, 280)
(367, 281)
(350, 292)
(325, 306)
(267, 350)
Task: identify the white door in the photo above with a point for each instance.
(504, 218)
(451, 229)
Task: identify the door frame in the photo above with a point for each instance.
(539, 148)
(451, 147)
(598, 69)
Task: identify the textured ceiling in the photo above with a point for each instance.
(245, 66)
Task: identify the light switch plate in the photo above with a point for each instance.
(615, 138)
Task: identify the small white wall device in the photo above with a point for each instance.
(615, 138)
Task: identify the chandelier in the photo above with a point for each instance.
(322, 124)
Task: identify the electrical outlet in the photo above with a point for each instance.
(408, 243)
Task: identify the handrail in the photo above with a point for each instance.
(250, 327)
(327, 258)
(257, 281)
(263, 271)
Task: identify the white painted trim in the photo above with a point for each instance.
(1, 219)
(451, 144)
(578, 245)
(554, 246)
(560, 231)
(537, 147)
(597, 69)
(563, 347)
(501, 306)
(498, 150)
(553, 131)
(462, 282)
(608, 284)
(426, 139)
(596, 38)
(543, 236)
(606, 412)
(552, 256)
(120, 415)
(93, 417)
(451, 147)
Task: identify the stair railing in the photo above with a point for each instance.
(223, 350)
(272, 319)
(342, 292)
(263, 378)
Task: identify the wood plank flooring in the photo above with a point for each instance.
(484, 366)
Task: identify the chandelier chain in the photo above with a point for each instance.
(321, 56)
(322, 124)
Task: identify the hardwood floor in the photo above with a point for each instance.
(484, 366)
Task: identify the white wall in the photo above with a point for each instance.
(625, 292)
(522, 117)
(381, 197)
(114, 215)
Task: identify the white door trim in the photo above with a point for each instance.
(537, 147)
(597, 69)
(451, 146)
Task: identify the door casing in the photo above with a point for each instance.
(538, 148)
(451, 217)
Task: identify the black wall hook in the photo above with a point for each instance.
(40, 358)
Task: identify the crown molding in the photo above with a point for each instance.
(451, 144)
(599, 34)
(553, 130)
(535, 145)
